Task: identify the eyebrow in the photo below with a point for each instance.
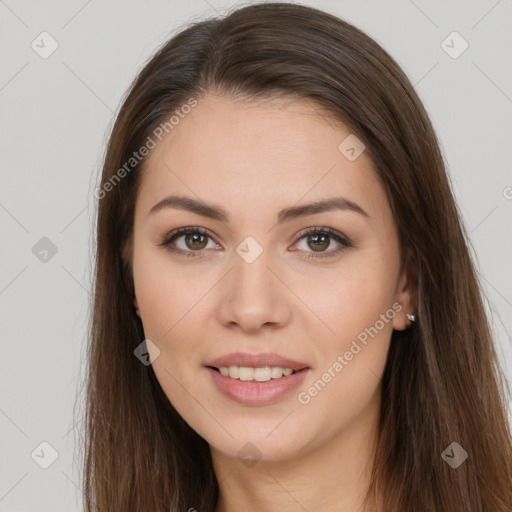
(218, 213)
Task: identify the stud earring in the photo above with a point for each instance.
(411, 318)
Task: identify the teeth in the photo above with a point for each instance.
(261, 374)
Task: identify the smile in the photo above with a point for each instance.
(256, 386)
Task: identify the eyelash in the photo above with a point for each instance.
(343, 241)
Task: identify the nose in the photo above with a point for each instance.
(252, 296)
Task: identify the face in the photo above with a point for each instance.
(259, 275)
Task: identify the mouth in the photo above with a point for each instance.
(255, 374)
(256, 386)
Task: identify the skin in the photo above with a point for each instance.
(254, 159)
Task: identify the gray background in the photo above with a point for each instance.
(56, 114)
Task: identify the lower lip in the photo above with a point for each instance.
(257, 393)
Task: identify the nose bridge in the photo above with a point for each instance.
(251, 277)
(253, 296)
(250, 268)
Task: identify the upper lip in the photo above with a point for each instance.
(256, 361)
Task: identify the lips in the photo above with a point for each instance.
(256, 361)
(253, 393)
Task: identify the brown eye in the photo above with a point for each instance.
(195, 241)
(188, 241)
(318, 242)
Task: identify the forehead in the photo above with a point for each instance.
(267, 152)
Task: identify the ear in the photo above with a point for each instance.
(136, 304)
(406, 295)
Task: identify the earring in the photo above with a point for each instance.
(411, 318)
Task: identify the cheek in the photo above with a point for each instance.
(168, 297)
(356, 307)
(172, 305)
(347, 380)
(344, 302)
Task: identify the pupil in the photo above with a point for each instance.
(195, 238)
(324, 244)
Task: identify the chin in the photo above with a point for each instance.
(266, 440)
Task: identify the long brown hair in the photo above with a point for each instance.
(442, 382)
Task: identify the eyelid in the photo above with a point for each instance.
(344, 241)
(166, 239)
(323, 229)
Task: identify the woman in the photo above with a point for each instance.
(286, 314)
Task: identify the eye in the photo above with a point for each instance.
(191, 241)
(319, 239)
(194, 241)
